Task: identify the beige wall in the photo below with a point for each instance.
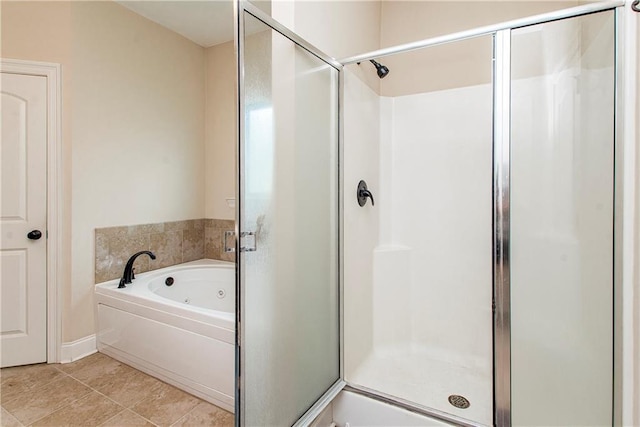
(133, 126)
(338, 28)
(220, 140)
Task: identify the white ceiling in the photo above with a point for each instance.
(206, 23)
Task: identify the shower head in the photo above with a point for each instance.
(381, 69)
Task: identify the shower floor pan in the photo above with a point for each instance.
(419, 377)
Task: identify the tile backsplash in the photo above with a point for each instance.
(172, 242)
(214, 238)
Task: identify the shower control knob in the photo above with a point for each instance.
(364, 193)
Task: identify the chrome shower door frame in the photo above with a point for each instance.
(501, 227)
(240, 8)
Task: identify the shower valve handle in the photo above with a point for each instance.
(367, 193)
(363, 193)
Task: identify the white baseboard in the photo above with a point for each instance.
(75, 350)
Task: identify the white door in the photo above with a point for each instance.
(23, 215)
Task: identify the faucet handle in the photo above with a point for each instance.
(363, 193)
(133, 273)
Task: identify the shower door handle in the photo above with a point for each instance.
(248, 235)
(229, 236)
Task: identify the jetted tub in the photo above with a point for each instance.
(181, 331)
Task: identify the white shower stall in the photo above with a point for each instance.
(479, 288)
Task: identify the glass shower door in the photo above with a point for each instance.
(562, 186)
(288, 206)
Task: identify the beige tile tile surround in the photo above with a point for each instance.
(172, 242)
(214, 237)
(99, 391)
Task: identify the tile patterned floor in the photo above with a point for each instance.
(98, 391)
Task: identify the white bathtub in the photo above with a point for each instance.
(183, 334)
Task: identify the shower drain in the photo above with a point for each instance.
(459, 401)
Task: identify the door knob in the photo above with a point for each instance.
(34, 234)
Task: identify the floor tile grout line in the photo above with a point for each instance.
(170, 385)
(98, 391)
(12, 416)
(33, 391)
(187, 413)
(109, 419)
(178, 420)
(65, 374)
(57, 368)
(91, 389)
(118, 403)
(123, 408)
(130, 410)
(63, 407)
(59, 408)
(143, 417)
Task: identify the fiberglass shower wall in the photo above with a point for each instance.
(422, 284)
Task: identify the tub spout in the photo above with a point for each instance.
(128, 275)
